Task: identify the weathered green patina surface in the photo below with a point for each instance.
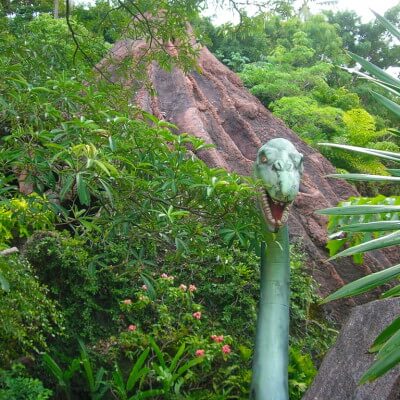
(279, 167)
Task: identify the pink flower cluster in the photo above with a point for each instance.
(217, 339)
(192, 288)
(127, 301)
(197, 315)
(144, 287)
(200, 353)
(169, 277)
(132, 328)
(226, 349)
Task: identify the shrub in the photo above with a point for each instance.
(16, 385)
(28, 317)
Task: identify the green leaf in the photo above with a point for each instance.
(392, 343)
(389, 104)
(87, 366)
(394, 131)
(388, 155)
(385, 335)
(335, 245)
(118, 383)
(108, 191)
(359, 210)
(375, 71)
(102, 166)
(394, 172)
(83, 192)
(53, 367)
(177, 356)
(372, 226)
(180, 245)
(364, 284)
(391, 239)
(134, 374)
(364, 177)
(393, 292)
(4, 283)
(111, 143)
(69, 180)
(147, 394)
(150, 287)
(388, 25)
(187, 366)
(381, 366)
(158, 352)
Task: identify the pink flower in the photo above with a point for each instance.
(217, 339)
(200, 353)
(226, 349)
(169, 277)
(127, 301)
(197, 314)
(144, 287)
(132, 328)
(192, 288)
(183, 287)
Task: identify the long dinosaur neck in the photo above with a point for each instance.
(270, 365)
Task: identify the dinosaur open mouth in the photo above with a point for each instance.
(276, 213)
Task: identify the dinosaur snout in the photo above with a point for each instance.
(288, 187)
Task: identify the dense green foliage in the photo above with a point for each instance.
(137, 273)
(292, 66)
(128, 241)
(372, 223)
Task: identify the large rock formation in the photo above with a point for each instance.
(347, 361)
(215, 106)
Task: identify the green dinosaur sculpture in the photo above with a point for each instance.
(279, 167)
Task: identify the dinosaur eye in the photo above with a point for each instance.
(264, 158)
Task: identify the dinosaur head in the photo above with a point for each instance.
(279, 166)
